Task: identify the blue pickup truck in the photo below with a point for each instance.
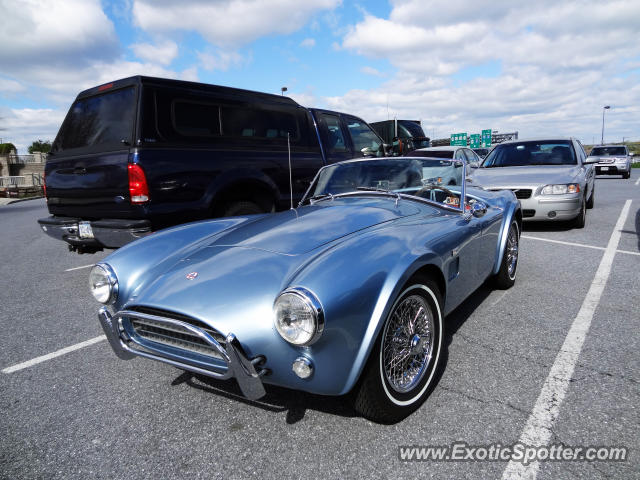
(139, 154)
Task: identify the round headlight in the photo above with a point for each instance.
(103, 283)
(299, 317)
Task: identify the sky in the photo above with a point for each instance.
(544, 67)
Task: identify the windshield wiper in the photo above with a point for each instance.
(381, 190)
(320, 197)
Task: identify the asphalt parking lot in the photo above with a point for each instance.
(86, 414)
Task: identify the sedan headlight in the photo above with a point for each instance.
(103, 283)
(299, 317)
(560, 189)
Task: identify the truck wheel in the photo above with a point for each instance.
(241, 207)
(402, 365)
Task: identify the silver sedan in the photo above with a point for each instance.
(553, 178)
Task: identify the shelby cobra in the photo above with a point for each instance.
(346, 293)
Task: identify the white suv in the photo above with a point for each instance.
(612, 160)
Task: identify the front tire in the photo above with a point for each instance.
(626, 174)
(506, 276)
(581, 219)
(591, 200)
(401, 369)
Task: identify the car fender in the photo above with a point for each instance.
(510, 212)
(355, 313)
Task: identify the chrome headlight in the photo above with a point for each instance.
(560, 189)
(299, 317)
(103, 283)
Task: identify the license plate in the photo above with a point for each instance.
(604, 168)
(85, 230)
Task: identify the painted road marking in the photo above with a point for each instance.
(638, 181)
(78, 268)
(627, 252)
(57, 353)
(537, 431)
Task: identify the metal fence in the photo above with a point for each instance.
(27, 159)
(19, 181)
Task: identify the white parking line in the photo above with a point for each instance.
(638, 181)
(537, 431)
(57, 353)
(572, 244)
(78, 268)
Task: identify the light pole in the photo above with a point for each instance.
(606, 107)
(284, 89)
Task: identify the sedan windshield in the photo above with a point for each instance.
(428, 178)
(608, 151)
(553, 152)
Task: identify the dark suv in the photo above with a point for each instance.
(142, 153)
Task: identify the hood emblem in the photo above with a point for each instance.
(192, 275)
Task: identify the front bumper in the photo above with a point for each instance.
(612, 168)
(230, 361)
(537, 207)
(109, 233)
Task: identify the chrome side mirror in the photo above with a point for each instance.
(478, 209)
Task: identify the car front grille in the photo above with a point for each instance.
(528, 213)
(522, 193)
(173, 334)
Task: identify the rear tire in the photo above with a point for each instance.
(506, 276)
(626, 175)
(401, 368)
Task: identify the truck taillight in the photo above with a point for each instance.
(138, 188)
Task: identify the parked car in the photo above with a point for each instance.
(481, 152)
(348, 291)
(552, 177)
(139, 154)
(403, 136)
(612, 160)
(464, 154)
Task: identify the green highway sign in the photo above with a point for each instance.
(486, 138)
(458, 139)
(475, 140)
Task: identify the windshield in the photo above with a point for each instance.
(427, 178)
(554, 152)
(607, 151)
(102, 120)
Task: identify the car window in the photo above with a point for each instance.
(471, 156)
(460, 155)
(362, 135)
(431, 153)
(102, 120)
(606, 151)
(335, 137)
(519, 154)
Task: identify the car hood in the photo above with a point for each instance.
(527, 175)
(258, 259)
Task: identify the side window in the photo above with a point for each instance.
(259, 124)
(194, 119)
(362, 135)
(580, 151)
(460, 155)
(335, 137)
(471, 156)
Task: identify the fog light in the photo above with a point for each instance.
(302, 367)
(551, 214)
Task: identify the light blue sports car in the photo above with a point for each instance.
(347, 292)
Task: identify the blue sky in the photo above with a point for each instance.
(539, 68)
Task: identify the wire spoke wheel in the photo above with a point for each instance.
(407, 346)
(512, 252)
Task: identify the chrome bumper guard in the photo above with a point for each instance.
(238, 365)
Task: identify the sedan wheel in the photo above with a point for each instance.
(403, 363)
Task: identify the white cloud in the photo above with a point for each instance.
(163, 53)
(47, 32)
(228, 23)
(220, 60)
(553, 65)
(10, 86)
(24, 126)
(308, 43)
(372, 71)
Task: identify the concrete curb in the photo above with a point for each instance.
(9, 201)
